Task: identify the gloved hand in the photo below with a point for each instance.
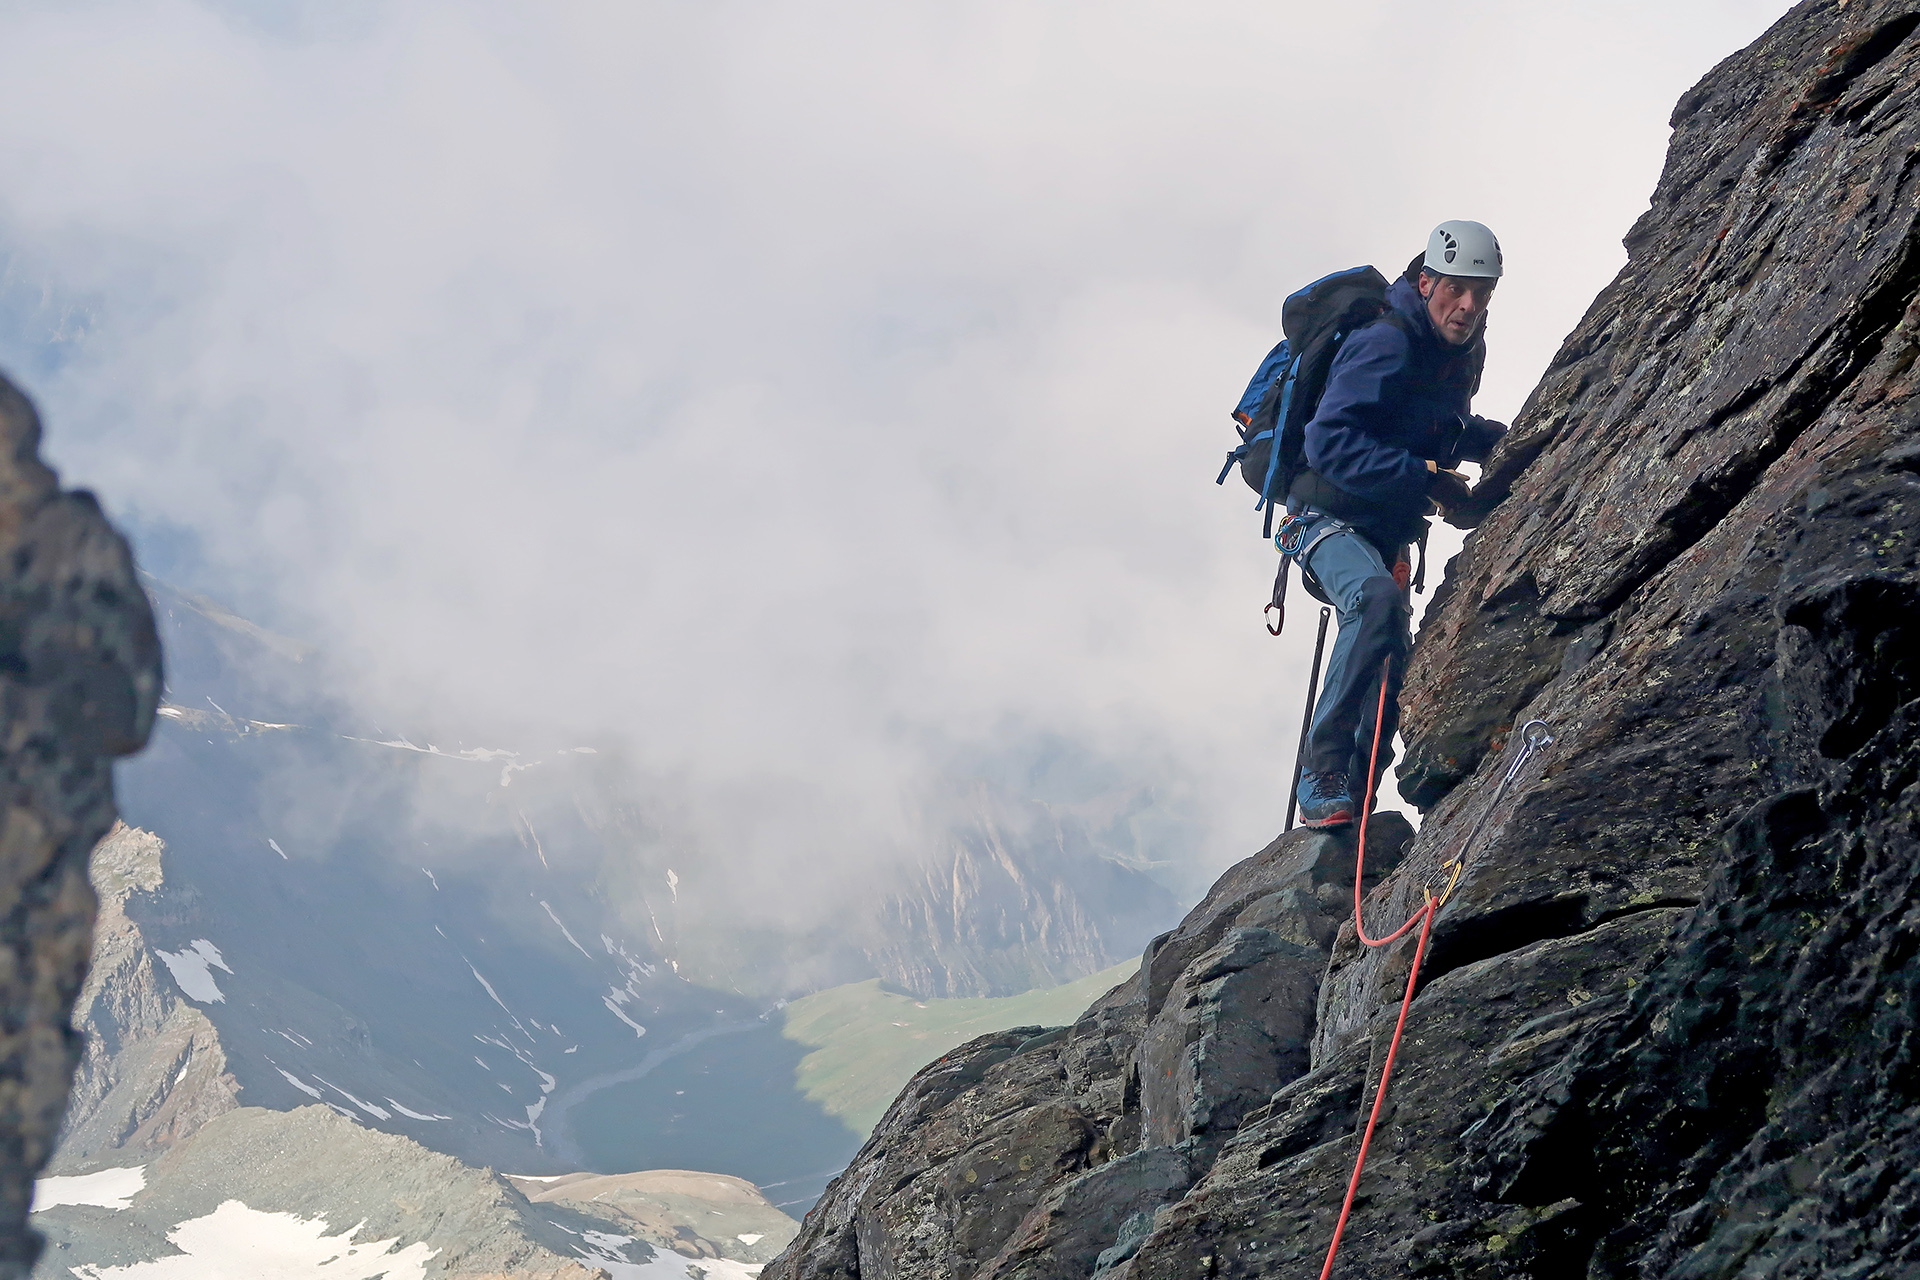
(1449, 489)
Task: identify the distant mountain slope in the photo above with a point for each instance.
(161, 1175)
(1018, 897)
(311, 1193)
(425, 936)
(512, 954)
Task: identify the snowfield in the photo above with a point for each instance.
(237, 1243)
(193, 969)
(107, 1189)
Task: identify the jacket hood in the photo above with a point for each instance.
(1405, 298)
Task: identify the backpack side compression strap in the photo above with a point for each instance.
(1273, 452)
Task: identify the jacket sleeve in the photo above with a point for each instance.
(1479, 437)
(1346, 441)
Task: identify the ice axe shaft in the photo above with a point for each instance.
(1306, 720)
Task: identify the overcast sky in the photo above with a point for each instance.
(776, 389)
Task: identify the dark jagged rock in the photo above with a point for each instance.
(1232, 991)
(1022, 1154)
(79, 682)
(1666, 1026)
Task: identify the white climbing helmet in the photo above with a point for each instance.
(1462, 248)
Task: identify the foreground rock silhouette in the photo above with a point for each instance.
(1667, 1026)
(79, 682)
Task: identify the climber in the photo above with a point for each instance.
(1381, 452)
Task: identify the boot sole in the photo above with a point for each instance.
(1341, 819)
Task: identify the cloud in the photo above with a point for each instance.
(776, 389)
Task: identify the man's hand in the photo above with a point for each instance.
(1448, 489)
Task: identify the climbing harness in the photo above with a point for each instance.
(1306, 721)
(1291, 541)
(1535, 736)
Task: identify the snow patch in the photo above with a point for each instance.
(411, 1114)
(673, 883)
(605, 1239)
(275, 846)
(566, 934)
(608, 1252)
(193, 969)
(235, 1241)
(528, 824)
(614, 1008)
(301, 1085)
(490, 991)
(107, 1189)
(376, 1112)
(750, 1240)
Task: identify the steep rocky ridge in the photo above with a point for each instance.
(1666, 1027)
(152, 1069)
(1022, 1153)
(79, 681)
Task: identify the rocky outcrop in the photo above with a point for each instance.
(695, 1215)
(1667, 1021)
(79, 681)
(152, 1069)
(1024, 1153)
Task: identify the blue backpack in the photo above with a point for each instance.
(1286, 388)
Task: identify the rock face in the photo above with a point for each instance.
(79, 681)
(1024, 1153)
(1666, 1026)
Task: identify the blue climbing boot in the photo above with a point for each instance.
(1324, 800)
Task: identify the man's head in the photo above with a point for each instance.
(1457, 278)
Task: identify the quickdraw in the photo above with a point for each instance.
(1292, 543)
(1535, 736)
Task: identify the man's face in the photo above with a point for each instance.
(1456, 305)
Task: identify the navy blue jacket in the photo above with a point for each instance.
(1397, 395)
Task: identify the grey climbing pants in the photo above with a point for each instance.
(1375, 630)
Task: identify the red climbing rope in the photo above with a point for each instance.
(1424, 918)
